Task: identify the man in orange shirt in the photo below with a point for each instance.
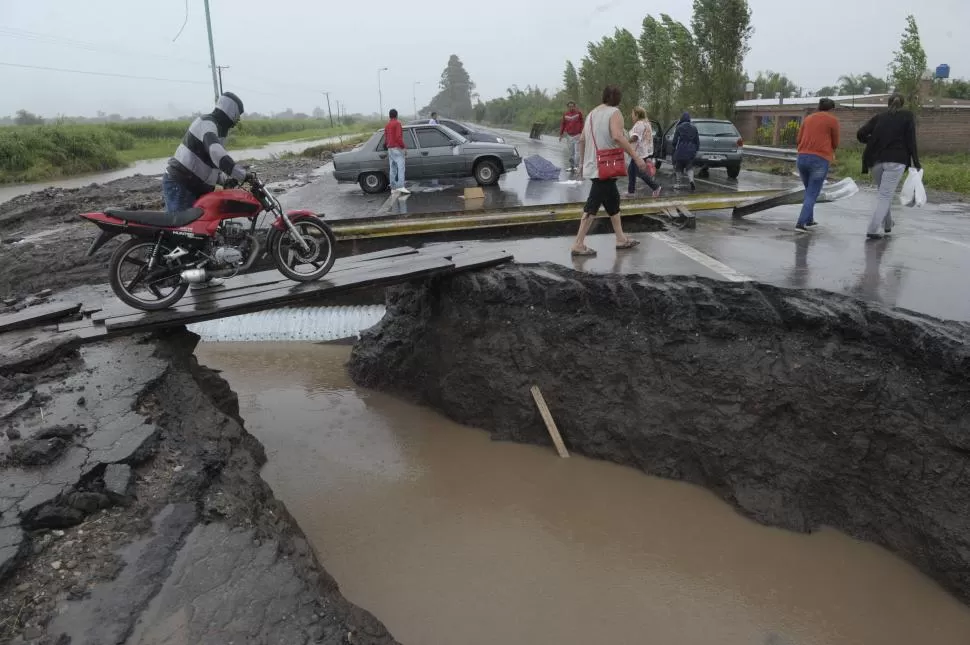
(817, 140)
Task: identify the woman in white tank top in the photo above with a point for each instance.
(603, 129)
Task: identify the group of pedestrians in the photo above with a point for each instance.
(890, 148)
(597, 143)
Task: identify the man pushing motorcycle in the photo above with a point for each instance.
(201, 161)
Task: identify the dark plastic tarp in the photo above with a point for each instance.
(541, 168)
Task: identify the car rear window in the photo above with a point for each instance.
(715, 128)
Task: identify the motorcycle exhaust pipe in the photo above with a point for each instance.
(196, 276)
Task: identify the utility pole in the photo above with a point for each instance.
(414, 97)
(380, 93)
(327, 94)
(220, 68)
(212, 52)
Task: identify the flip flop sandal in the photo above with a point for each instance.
(629, 244)
(586, 252)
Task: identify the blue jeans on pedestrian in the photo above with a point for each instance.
(813, 170)
(177, 197)
(396, 158)
(633, 172)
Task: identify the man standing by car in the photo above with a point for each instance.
(396, 152)
(572, 126)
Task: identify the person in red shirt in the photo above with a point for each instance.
(817, 140)
(572, 126)
(396, 153)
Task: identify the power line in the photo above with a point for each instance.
(90, 73)
(51, 39)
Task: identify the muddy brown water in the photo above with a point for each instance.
(450, 538)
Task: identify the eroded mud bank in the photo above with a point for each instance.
(800, 408)
(132, 509)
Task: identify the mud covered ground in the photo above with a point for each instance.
(43, 243)
(132, 510)
(801, 408)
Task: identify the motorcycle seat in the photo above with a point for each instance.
(157, 218)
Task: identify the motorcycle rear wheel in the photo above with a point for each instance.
(160, 289)
(287, 252)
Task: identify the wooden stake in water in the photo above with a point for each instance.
(550, 424)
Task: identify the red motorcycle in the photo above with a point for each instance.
(170, 251)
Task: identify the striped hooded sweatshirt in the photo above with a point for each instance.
(201, 161)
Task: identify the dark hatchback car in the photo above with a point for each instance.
(721, 145)
(466, 130)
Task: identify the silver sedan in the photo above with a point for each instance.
(434, 152)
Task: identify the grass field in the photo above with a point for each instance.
(36, 153)
(949, 173)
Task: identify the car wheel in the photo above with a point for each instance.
(487, 173)
(373, 182)
(734, 170)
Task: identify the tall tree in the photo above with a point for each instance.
(857, 84)
(909, 64)
(685, 63)
(722, 30)
(570, 82)
(656, 55)
(614, 60)
(958, 88)
(767, 83)
(27, 118)
(455, 98)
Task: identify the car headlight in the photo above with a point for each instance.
(500, 139)
(515, 151)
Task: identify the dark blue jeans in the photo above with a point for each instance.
(633, 172)
(177, 197)
(813, 170)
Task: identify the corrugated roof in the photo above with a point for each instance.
(808, 100)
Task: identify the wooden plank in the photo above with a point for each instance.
(77, 324)
(480, 260)
(273, 298)
(261, 279)
(550, 424)
(206, 298)
(33, 316)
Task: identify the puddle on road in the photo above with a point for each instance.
(450, 538)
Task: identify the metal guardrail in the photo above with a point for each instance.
(764, 152)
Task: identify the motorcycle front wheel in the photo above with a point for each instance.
(304, 265)
(138, 287)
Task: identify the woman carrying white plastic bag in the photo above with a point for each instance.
(890, 139)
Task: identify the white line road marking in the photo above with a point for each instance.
(943, 239)
(703, 259)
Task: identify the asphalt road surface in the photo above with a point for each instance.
(921, 266)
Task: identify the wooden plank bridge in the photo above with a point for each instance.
(258, 291)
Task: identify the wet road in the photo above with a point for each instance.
(920, 267)
(345, 201)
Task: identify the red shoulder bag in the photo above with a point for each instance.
(610, 163)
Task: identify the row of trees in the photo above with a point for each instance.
(671, 67)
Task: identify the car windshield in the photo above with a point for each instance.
(716, 129)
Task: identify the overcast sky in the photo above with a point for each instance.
(282, 53)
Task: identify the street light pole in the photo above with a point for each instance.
(220, 68)
(380, 92)
(212, 51)
(327, 94)
(414, 97)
